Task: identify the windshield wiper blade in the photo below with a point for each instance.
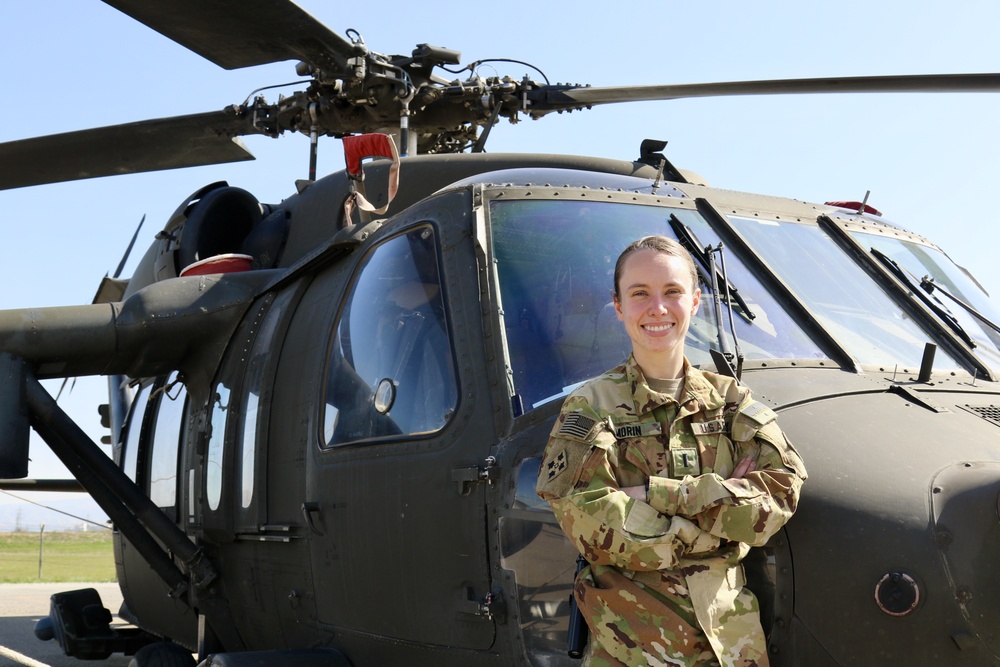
(724, 359)
(690, 241)
(934, 305)
(929, 286)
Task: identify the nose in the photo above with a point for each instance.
(658, 306)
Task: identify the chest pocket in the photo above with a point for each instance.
(643, 447)
(650, 455)
(715, 450)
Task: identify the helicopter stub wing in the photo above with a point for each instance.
(573, 97)
(243, 33)
(166, 143)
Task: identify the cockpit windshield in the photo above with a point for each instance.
(843, 297)
(925, 262)
(555, 264)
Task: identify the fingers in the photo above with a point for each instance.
(745, 466)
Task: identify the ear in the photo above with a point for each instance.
(695, 301)
(618, 307)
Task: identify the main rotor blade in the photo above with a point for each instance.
(166, 143)
(920, 83)
(243, 33)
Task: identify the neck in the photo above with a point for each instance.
(662, 368)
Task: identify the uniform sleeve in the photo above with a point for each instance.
(578, 479)
(753, 508)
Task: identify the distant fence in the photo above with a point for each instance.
(56, 556)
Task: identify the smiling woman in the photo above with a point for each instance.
(663, 477)
(656, 295)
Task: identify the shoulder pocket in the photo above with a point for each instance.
(756, 420)
(567, 455)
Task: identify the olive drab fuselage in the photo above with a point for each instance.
(349, 434)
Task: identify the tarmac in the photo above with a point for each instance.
(21, 605)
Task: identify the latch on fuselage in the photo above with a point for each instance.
(467, 476)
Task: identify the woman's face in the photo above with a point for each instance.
(656, 302)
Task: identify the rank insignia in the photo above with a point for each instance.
(685, 462)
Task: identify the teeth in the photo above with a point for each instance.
(658, 327)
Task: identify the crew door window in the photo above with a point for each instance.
(165, 446)
(130, 455)
(217, 445)
(256, 391)
(390, 369)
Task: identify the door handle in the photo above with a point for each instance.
(308, 510)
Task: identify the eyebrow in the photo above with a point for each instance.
(646, 286)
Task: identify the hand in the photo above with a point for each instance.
(743, 467)
(637, 492)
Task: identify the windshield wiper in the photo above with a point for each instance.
(715, 279)
(690, 241)
(929, 286)
(934, 304)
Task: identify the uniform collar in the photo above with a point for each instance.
(699, 394)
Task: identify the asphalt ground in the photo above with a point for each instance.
(21, 605)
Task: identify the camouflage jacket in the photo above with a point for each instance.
(684, 544)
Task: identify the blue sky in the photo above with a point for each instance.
(931, 161)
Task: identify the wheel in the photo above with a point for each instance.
(162, 654)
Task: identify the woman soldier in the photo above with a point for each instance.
(664, 476)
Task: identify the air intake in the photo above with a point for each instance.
(990, 413)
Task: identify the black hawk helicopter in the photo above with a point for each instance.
(327, 423)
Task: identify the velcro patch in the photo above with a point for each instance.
(577, 426)
(709, 428)
(638, 430)
(759, 412)
(684, 461)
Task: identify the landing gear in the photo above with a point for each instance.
(162, 654)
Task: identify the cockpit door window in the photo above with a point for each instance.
(391, 370)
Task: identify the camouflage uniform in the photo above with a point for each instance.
(665, 584)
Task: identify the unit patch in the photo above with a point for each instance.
(556, 465)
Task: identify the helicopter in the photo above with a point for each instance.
(326, 432)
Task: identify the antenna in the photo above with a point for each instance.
(864, 202)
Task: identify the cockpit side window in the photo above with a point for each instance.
(950, 288)
(390, 368)
(848, 303)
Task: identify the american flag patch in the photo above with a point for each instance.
(577, 426)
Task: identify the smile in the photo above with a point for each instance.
(657, 328)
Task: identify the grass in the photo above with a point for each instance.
(74, 556)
